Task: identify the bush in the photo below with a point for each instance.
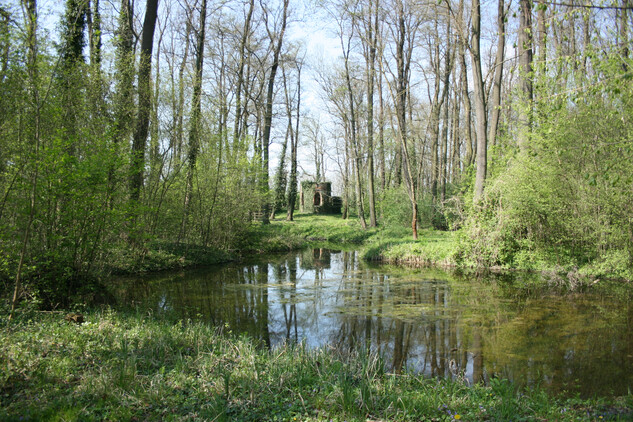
(565, 201)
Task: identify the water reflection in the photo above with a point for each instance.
(428, 321)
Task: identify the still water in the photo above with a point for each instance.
(426, 320)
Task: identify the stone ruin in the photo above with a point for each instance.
(317, 198)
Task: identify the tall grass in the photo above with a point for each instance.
(132, 366)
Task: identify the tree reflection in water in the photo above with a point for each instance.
(428, 321)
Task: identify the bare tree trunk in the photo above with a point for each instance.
(495, 106)
(436, 107)
(294, 145)
(372, 34)
(525, 72)
(237, 130)
(144, 107)
(280, 177)
(442, 78)
(154, 125)
(401, 95)
(470, 153)
(268, 116)
(195, 123)
(381, 134)
(446, 120)
(353, 138)
(456, 144)
(480, 103)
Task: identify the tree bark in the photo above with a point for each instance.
(294, 145)
(470, 153)
(370, 57)
(195, 122)
(237, 129)
(480, 103)
(401, 96)
(141, 129)
(525, 73)
(268, 114)
(495, 106)
(353, 130)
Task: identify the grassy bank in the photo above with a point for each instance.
(306, 229)
(387, 243)
(278, 236)
(134, 367)
(384, 243)
(394, 244)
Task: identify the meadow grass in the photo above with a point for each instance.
(305, 230)
(132, 366)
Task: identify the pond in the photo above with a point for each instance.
(428, 321)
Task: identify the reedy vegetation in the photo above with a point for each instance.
(95, 170)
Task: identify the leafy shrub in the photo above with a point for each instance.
(566, 200)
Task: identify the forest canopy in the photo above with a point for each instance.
(127, 125)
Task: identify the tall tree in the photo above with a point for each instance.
(93, 20)
(141, 129)
(495, 105)
(404, 31)
(70, 77)
(246, 31)
(353, 124)
(277, 41)
(294, 146)
(439, 99)
(525, 72)
(196, 117)
(30, 9)
(123, 101)
(480, 102)
(370, 42)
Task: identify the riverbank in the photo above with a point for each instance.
(129, 366)
(385, 244)
(445, 249)
(55, 285)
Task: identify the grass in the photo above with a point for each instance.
(385, 243)
(432, 248)
(305, 230)
(130, 367)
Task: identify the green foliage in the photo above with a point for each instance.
(66, 162)
(395, 207)
(566, 201)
